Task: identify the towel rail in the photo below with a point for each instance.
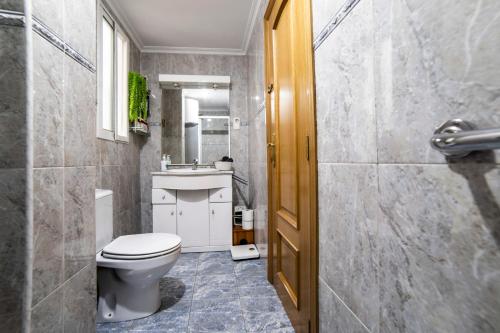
(241, 180)
(457, 138)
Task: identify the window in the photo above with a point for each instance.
(113, 53)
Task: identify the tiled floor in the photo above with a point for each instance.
(209, 292)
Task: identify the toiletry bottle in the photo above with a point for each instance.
(169, 160)
(163, 163)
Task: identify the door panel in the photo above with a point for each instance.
(221, 226)
(286, 145)
(192, 218)
(165, 219)
(292, 159)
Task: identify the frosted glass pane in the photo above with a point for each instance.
(107, 76)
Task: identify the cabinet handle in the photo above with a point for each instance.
(172, 213)
(180, 213)
(213, 212)
(163, 197)
(220, 196)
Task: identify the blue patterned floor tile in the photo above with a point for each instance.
(281, 330)
(249, 281)
(183, 269)
(178, 287)
(212, 322)
(260, 291)
(216, 305)
(215, 266)
(167, 322)
(265, 321)
(251, 267)
(215, 286)
(261, 304)
(121, 326)
(219, 255)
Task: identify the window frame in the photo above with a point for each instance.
(101, 132)
(118, 137)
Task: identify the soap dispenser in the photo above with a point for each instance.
(163, 163)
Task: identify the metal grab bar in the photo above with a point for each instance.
(457, 138)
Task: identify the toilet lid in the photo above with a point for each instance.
(141, 246)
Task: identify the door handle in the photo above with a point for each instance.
(273, 153)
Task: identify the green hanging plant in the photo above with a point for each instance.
(138, 94)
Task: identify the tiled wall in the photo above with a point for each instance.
(13, 172)
(408, 242)
(118, 166)
(257, 152)
(64, 175)
(153, 64)
(69, 163)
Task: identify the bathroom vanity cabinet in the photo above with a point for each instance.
(197, 206)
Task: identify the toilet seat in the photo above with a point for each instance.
(141, 246)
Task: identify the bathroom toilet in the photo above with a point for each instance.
(130, 267)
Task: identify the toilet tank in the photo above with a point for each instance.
(103, 218)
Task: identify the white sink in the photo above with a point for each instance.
(191, 171)
(189, 179)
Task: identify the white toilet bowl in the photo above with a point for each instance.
(129, 270)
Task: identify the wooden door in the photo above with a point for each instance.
(292, 159)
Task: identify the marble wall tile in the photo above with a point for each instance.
(51, 13)
(48, 207)
(334, 316)
(48, 149)
(79, 219)
(440, 258)
(80, 27)
(322, 12)
(436, 260)
(47, 316)
(12, 97)
(119, 170)
(13, 173)
(348, 232)
(12, 242)
(154, 64)
(79, 301)
(16, 5)
(346, 126)
(79, 115)
(434, 62)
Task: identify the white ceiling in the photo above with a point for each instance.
(188, 26)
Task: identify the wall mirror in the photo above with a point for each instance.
(196, 119)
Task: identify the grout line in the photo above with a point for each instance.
(345, 305)
(334, 22)
(60, 287)
(27, 301)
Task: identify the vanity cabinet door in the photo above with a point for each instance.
(192, 218)
(165, 219)
(221, 228)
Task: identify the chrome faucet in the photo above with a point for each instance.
(195, 164)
